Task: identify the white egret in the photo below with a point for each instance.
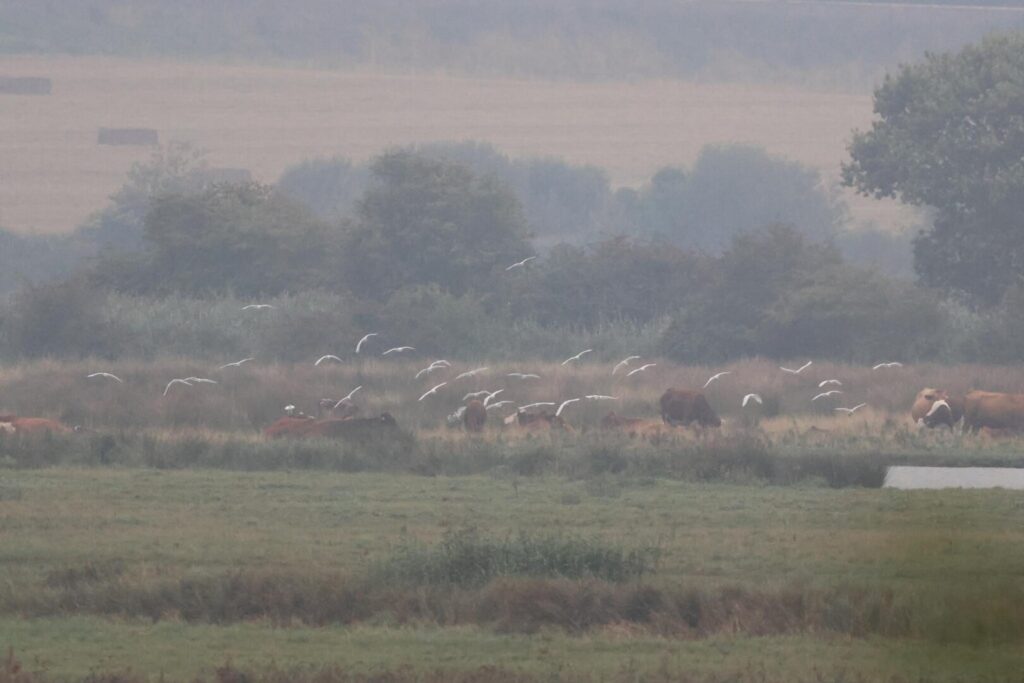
(576, 357)
(432, 391)
(564, 404)
(624, 361)
(329, 356)
(798, 370)
(853, 409)
(107, 375)
(236, 364)
(751, 397)
(826, 394)
(359, 345)
(640, 369)
(714, 377)
(522, 263)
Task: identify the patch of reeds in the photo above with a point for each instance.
(465, 558)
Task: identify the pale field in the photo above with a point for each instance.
(53, 174)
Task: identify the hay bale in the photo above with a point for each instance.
(17, 85)
(127, 136)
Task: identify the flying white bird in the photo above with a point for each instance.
(576, 357)
(624, 361)
(427, 370)
(564, 404)
(176, 381)
(751, 397)
(798, 370)
(349, 397)
(107, 375)
(523, 375)
(200, 380)
(601, 397)
(432, 391)
(475, 394)
(640, 369)
(825, 383)
(522, 263)
(470, 373)
(491, 395)
(436, 365)
(714, 377)
(329, 356)
(399, 349)
(256, 307)
(824, 394)
(893, 364)
(535, 405)
(236, 364)
(498, 404)
(853, 409)
(360, 344)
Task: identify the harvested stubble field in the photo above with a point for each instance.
(763, 553)
(265, 119)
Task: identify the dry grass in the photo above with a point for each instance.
(266, 119)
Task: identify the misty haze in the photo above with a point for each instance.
(506, 341)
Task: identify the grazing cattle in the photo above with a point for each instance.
(685, 406)
(542, 420)
(475, 416)
(934, 407)
(633, 426)
(288, 426)
(37, 425)
(341, 410)
(352, 427)
(993, 411)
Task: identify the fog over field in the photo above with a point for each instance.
(510, 341)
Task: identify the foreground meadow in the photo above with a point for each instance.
(178, 572)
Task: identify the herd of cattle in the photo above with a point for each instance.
(679, 407)
(976, 410)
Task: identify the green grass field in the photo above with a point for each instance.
(950, 561)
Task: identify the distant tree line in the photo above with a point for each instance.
(740, 255)
(848, 42)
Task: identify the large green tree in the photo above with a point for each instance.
(949, 135)
(425, 221)
(245, 239)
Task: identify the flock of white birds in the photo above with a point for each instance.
(489, 396)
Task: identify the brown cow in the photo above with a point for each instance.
(633, 426)
(994, 411)
(933, 407)
(542, 420)
(38, 425)
(685, 406)
(288, 426)
(329, 408)
(352, 427)
(474, 417)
